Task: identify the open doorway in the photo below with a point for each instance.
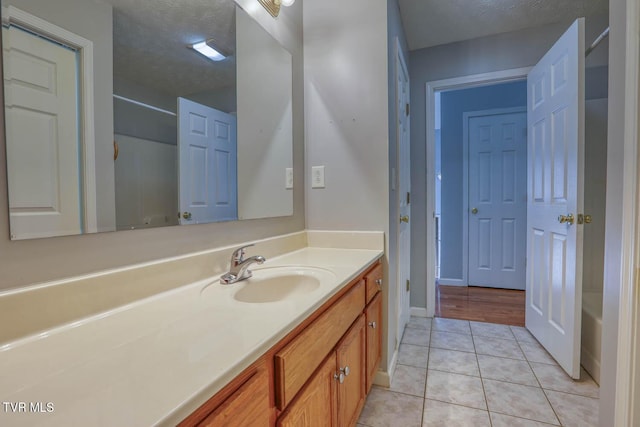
(594, 173)
(480, 187)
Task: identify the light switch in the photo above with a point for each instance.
(317, 177)
(288, 178)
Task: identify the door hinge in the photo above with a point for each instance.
(407, 109)
(408, 285)
(408, 197)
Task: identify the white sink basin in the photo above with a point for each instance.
(272, 284)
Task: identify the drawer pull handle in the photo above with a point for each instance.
(345, 371)
(379, 282)
(339, 377)
(373, 324)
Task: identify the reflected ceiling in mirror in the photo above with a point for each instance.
(114, 122)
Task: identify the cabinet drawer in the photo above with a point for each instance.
(296, 362)
(247, 406)
(373, 282)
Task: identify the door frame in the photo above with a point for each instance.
(465, 177)
(13, 15)
(400, 62)
(456, 83)
(621, 305)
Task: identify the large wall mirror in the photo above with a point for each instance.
(115, 121)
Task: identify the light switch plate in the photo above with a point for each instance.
(317, 177)
(288, 178)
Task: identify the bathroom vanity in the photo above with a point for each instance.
(321, 371)
(299, 340)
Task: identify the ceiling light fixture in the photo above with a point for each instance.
(205, 48)
(273, 6)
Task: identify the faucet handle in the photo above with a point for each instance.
(238, 254)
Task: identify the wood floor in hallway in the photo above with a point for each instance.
(491, 305)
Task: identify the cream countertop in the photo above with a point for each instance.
(156, 360)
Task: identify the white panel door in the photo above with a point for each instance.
(497, 199)
(43, 155)
(207, 164)
(555, 181)
(404, 188)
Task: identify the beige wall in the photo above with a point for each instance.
(33, 261)
(346, 119)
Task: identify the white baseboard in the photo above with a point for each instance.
(451, 282)
(382, 378)
(418, 311)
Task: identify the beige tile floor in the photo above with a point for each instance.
(454, 373)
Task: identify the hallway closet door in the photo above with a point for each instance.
(497, 198)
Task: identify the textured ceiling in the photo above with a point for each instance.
(435, 22)
(150, 39)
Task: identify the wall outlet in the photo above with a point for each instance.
(317, 177)
(288, 181)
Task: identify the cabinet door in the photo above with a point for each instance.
(351, 361)
(248, 406)
(374, 337)
(316, 404)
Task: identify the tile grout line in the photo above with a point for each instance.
(426, 378)
(484, 392)
(540, 384)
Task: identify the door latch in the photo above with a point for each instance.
(568, 219)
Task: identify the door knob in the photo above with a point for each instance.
(404, 218)
(569, 219)
(186, 215)
(474, 211)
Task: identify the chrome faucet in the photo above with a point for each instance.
(239, 269)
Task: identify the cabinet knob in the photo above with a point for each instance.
(345, 371)
(379, 282)
(373, 324)
(339, 377)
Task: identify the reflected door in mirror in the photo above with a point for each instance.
(208, 164)
(43, 159)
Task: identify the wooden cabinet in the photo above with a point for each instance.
(296, 362)
(373, 315)
(334, 396)
(245, 402)
(318, 375)
(317, 403)
(350, 355)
